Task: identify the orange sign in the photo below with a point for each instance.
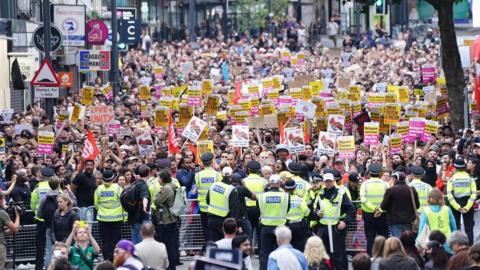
(66, 79)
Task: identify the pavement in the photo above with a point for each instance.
(188, 260)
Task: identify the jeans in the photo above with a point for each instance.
(135, 230)
(48, 248)
(397, 229)
(86, 213)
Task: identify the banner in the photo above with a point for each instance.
(295, 140)
(240, 136)
(370, 133)
(326, 143)
(346, 147)
(336, 123)
(46, 139)
(194, 128)
(92, 60)
(101, 114)
(145, 144)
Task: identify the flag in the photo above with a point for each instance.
(283, 139)
(172, 141)
(90, 150)
(238, 91)
(306, 135)
(476, 90)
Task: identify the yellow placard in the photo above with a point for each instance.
(161, 117)
(391, 98)
(317, 86)
(403, 128)
(222, 115)
(306, 93)
(213, 102)
(296, 93)
(266, 109)
(231, 97)
(64, 148)
(395, 142)
(107, 90)
(346, 143)
(392, 114)
(144, 92)
(207, 87)
(77, 109)
(178, 90)
(46, 139)
(245, 104)
(204, 147)
(403, 94)
(87, 95)
(185, 113)
(2, 142)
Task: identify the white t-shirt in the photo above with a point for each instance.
(225, 243)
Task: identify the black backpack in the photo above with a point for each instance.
(49, 207)
(128, 199)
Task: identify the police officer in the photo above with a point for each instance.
(203, 180)
(335, 211)
(302, 185)
(274, 205)
(222, 200)
(310, 198)
(110, 213)
(296, 216)
(337, 176)
(256, 184)
(353, 186)
(422, 188)
(371, 196)
(38, 194)
(461, 193)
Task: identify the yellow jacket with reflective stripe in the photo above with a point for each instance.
(331, 209)
(423, 189)
(273, 208)
(298, 209)
(371, 194)
(154, 188)
(461, 185)
(219, 195)
(38, 194)
(301, 186)
(439, 220)
(256, 184)
(203, 180)
(107, 203)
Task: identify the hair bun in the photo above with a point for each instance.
(475, 256)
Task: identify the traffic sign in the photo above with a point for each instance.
(46, 92)
(45, 76)
(55, 38)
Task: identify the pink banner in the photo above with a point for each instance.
(428, 75)
(417, 128)
(194, 101)
(45, 149)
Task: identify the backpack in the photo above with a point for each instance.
(49, 207)
(128, 200)
(179, 202)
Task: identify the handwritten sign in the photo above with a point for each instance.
(101, 114)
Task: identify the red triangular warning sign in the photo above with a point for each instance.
(45, 76)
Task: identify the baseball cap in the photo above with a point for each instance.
(126, 245)
(227, 171)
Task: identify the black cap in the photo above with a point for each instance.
(295, 167)
(207, 157)
(253, 165)
(236, 178)
(290, 185)
(317, 178)
(375, 169)
(339, 160)
(47, 172)
(417, 171)
(108, 175)
(459, 163)
(354, 177)
(164, 163)
(336, 174)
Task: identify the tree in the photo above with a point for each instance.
(279, 8)
(252, 15)
(451, 62)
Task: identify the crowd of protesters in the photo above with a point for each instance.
(432, 180)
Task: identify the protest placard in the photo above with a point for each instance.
(113, 127)
(207, 87)
(346, 147)
(306, 108)
(122, 132)
(101, 114)
(46, 139)
(144, 92)
(194, 96)
(336, 123)
(87, 95)
(326, 143)
(161, 117)
(370, 133)
(19, 128)
(392, 114)
(295, 139)
(213, 102)
(403, 130)
(416, 129)
(204, 147)
(395, 144)
(145, 144)
(240, 136)
(194, 128)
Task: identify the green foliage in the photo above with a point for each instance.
(279, 8)
(93, 15)
(252, 14)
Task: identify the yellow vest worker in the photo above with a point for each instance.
(371, 197)
(40, 192)
(204, 180)
(422, 188)
(296, 215)
(335, 211)
(310, 199)
(461, 193)
(110, 213)
(302, 185)
(219, 194)
(254, 182)
(274, 206)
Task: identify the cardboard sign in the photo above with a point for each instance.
(207, 87)
(428, 74)
(7, 115)
(308, 109)
(346, 147)
(144, 92)
(326, 143)
(194, 96)
(416, 128)
(161, 117)
(75, 115)
(295, 139)
(113, 127)
(213, 102)
(145, 144)
(46, 139)
(395, 144)
(122, 132)
(19, 128)
(240, 136)
(87, 95)
(204, 147)
(194, 128)
(403, 130)
(101, 114)
(392, 114)
(336, 124)
(370, 133)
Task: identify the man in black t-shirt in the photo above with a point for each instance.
(243, 192)
(84, 185)
(136, 218)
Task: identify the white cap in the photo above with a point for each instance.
(227, 171)
(275, 179)
(328, 176)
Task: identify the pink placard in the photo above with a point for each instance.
(417, 128)
(45, 149)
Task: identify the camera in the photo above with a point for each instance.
(11, 206)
